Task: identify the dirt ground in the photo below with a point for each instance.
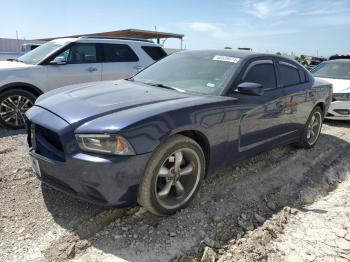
(283, 205)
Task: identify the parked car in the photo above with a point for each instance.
(154, 137)
(339, 56)
(27, 47)
(68, 61)
(337, 72)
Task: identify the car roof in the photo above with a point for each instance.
(224, 52)
(244, 55)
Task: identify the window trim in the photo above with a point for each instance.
(258, 62)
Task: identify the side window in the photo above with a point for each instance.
(33, 47)
(80, 54)
(289, 74)
(65, 54)
(155, 52)
(261, 73)
(118, 53)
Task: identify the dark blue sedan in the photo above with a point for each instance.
(152, 138)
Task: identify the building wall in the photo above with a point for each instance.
(14, 45)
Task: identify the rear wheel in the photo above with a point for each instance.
(13, 106)
(312, 129)
(173, 176)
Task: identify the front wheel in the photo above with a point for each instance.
(312, 129)
(173, 176)
(13, 106)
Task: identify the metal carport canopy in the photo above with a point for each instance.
(132, 33)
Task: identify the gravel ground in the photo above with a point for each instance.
(271, 198)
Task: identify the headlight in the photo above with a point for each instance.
(341, 96)
(105, 144)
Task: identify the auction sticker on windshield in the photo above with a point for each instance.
(229, 59)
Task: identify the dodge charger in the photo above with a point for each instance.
(152, 139)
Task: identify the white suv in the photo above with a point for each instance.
(68, 61)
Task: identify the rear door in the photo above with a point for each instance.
(261, 125)
(297, 94)
(119, 61)
(82, 65)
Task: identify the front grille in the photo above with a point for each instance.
(45, 142)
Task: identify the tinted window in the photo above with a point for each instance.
(118, 53)
(263, 74)
(33, 47)
(155, 52)
(80, 54)
(289, 75)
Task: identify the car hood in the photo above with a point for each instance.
(339, 85)
(81, 103)
(13, 65)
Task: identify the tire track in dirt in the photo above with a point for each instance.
(264, 243)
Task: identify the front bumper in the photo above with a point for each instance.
(339, 110)
(100, 179)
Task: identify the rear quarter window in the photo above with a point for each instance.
(155, 52)
(118, 53)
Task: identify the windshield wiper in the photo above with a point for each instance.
(164, 86)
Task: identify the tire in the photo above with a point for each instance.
(163, 169)
(307, 141)
(13, 105)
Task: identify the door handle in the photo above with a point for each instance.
(91, 69)
(138, 67)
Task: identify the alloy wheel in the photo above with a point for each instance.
(13, 108)
(314, 127)
(177, 178)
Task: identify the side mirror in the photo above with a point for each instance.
(249, 88)
(59, 60)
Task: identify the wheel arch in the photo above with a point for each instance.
(21, 85)
(322, 105)
(201, 139)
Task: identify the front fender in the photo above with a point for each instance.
(146, 135)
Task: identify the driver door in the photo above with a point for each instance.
(261, 125)
(81, 65)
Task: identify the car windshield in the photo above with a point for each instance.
(39, 53)
(196, 72)
(338, 70)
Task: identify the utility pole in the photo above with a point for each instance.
(155, 29)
